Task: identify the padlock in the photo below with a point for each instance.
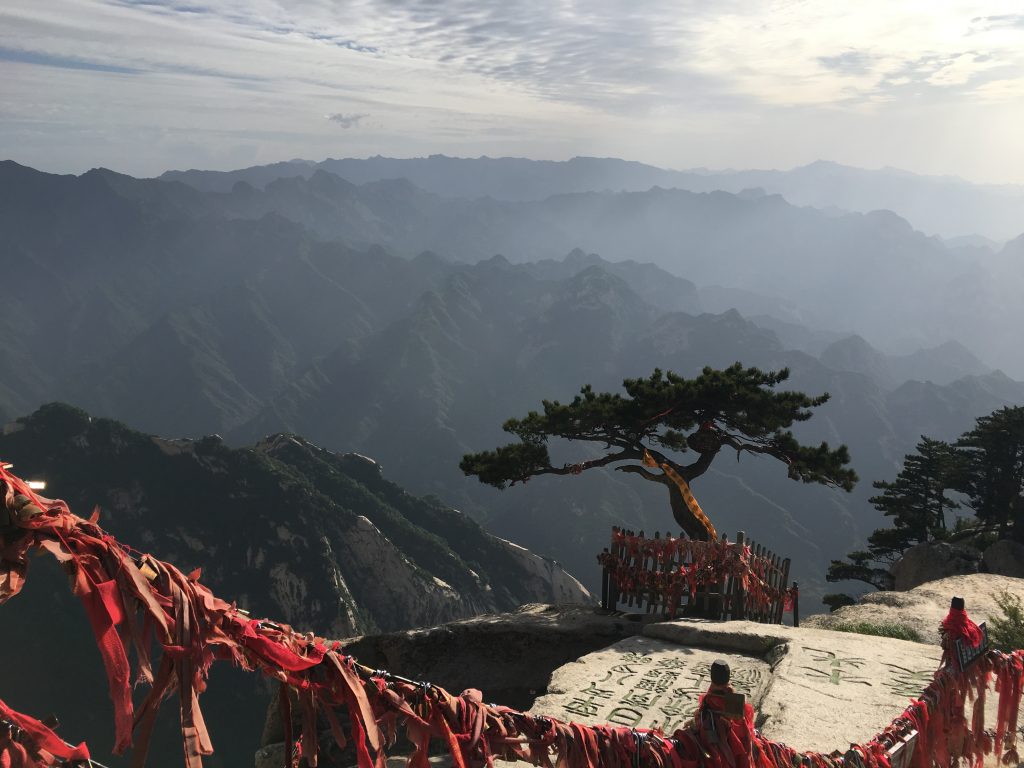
(29, 511)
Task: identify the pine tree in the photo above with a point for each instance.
(917, 502)
(916, 499)
(666, 414)
(986, 465)
(992, 474)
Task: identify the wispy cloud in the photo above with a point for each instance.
(346, 121)
(674, 81)
(1004, 21)
(849, 62)
(61, 62)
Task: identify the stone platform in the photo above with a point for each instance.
(813, 689)
(825, 690)
(643, 682)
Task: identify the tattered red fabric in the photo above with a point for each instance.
(958, 624)
(38, 744)
(146, 601)
(650, 566)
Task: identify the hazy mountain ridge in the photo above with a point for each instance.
(866, 272)
(943, 364)
(249, 327)
(942, 205)
(591, 328)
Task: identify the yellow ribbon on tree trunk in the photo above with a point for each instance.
(687, 494)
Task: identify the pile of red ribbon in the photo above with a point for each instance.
(24, 741)
(136, 602)
(671, 567)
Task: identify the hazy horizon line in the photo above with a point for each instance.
(698, 170)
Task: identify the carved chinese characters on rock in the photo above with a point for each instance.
(830, 667)
(908, 682)
(656, 690)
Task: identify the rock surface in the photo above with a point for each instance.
(644, 682)
(932, 561)
(822, 690)
(812, 688)
(510, 657)
(1005, 558)
(923, 607)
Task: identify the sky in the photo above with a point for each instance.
(142, 86)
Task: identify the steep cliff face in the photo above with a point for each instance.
(286, 528)
(319, 540)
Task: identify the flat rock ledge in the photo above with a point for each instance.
(812, 688)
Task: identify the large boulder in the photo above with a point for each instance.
(922, 608)
(932, 561)
(1005, 558)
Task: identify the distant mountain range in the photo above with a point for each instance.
(184, 312)
(361, 305)
(940, 205)
(866, 274)
(286, 529)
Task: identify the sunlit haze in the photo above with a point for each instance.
(143, 86)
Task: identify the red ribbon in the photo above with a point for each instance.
(194, 628)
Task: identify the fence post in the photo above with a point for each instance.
(756, 608)
(796, 604)
(738, 595)
(604, 583)
(718, 605)
(652, 594)
(782, 584)
(778, 585)
(613, 585)
(637, 560)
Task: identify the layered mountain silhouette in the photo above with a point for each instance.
(870, 273)
(942, 205)
(259, 310)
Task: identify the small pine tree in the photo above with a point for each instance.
(916, 499)
(835, 601)
(1007, 631)
(917, 502)
(992, 470)
(986, 465)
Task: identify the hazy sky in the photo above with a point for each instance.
(146, 85)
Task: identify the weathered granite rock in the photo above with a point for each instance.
(923, 607)
(545, 578)
(510, 657)
(1005, 558)
(812, 688)
(932, 561)
(644, 682)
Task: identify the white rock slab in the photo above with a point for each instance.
(828, 689)
(643, 682)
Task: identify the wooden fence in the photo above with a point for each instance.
(682, 577)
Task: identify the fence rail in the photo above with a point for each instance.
(713, 579)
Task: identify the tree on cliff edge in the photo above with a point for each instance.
(663, 416)
(992, 476)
